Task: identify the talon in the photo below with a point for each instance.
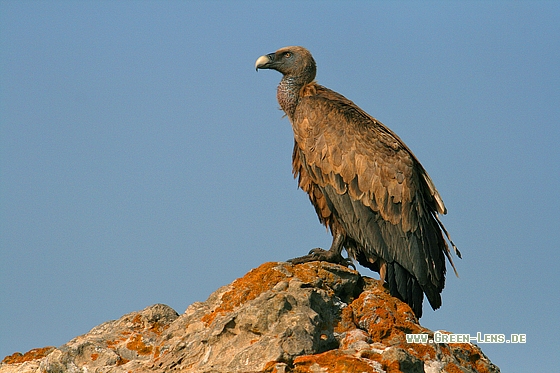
(349, 263)
(319, 254)
(333, 255)
(316, 250)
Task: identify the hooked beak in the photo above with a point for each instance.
(264, 62)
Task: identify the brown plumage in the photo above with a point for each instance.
(365, 184)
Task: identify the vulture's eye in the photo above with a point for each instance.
(288, 54)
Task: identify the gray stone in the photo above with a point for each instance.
(314, 317)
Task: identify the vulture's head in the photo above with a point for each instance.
(291, 62)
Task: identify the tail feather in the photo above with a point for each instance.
(447, 252)
(405, 287)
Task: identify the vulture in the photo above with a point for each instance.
(366, 185)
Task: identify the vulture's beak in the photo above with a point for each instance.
(263, 62)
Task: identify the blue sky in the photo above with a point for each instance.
(143, 160)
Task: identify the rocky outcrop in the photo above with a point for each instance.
(314, 317)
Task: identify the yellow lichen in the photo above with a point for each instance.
(36, 353)
(137, 344)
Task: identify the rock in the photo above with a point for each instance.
(278, 318)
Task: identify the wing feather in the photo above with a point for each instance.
(364, 180)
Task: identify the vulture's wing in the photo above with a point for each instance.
(360, 171)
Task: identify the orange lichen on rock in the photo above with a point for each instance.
(137, 319)
(268, 275)
(346, 321)
(157, 328)
(452, 368)
(137, 344)
(392, 367)
(376, 312)
(121, 361)
(246, 288)
(334, 361)
(422, 351)
(113, 344)
(274, 367)
(156, 353)
(36, 353)
(139, 323)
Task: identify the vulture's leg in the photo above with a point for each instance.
(333, 255)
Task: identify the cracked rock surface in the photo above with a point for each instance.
(313, 317)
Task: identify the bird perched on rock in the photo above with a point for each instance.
(365, 184)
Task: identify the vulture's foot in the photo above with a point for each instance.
(333, 255)
(322, 255)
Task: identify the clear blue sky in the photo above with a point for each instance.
(143, 160)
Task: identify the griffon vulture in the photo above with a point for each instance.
(366, 186)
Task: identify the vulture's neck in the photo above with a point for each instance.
(288, 94)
